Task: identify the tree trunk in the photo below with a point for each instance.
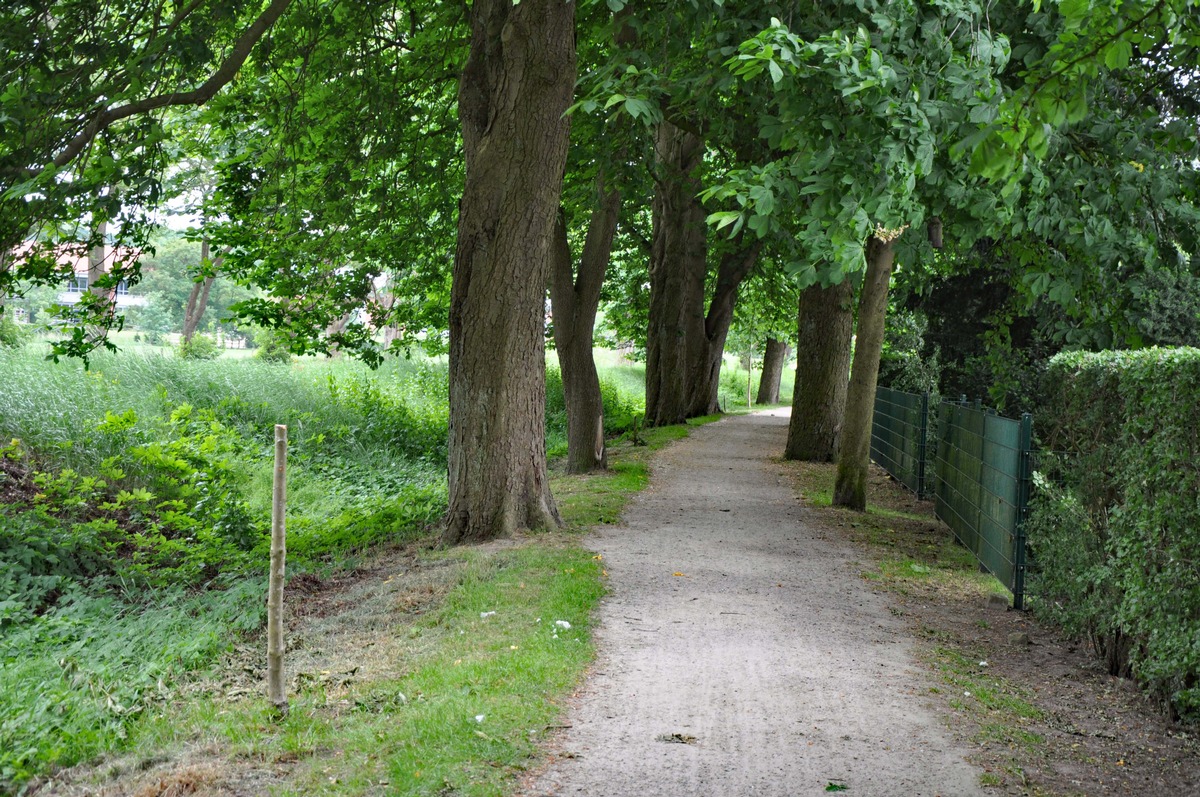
(675, 340)
(337, 327)
(824, 330)
(772, 371)
(573, 302)
(5, 278)
(684, 345)
(854, 457)
(197, 301)
(514, 92)
(98, 264)
(706, 382)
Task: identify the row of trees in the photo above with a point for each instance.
(665, 157)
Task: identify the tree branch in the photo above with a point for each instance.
(1092, 53)
(224, 74)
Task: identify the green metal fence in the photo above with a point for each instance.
(898, 436)
(982, 476)
(977, 465)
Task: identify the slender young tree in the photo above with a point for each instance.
(854, 454)
(197, 301)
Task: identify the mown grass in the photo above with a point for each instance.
(477, 686)
(134, 542)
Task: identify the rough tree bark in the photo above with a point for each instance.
(573, 301)
(515, 88)
(854, 456)
(684, 345)
(824, 329)
(197, 301)
(772, 372)
(678, 264)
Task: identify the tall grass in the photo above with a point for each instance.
(154, 470)
(55, 409)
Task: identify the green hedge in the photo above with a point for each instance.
(1116, 521)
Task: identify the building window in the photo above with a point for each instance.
(78, 284)
(123, 288)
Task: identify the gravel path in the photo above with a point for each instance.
(741, 654)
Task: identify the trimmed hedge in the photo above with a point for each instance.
(1115, 524)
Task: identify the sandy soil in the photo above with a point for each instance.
(740, 652)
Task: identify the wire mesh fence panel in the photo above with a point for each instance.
(898, 436)
(981, 487)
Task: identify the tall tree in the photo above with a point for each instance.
(894, 84)
(670, 77)
(775, 355)
(515, 90)
(678, 267)
(854, 452)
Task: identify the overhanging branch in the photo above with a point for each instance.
(205, 92)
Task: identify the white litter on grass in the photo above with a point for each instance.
(562, 624)
(966, 694)
(485, 614)
(479, 717)
(983, 664)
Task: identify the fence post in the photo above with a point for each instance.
(276, 690)
(922, 445)
(1024, 487)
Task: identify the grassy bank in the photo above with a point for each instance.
(134, 500)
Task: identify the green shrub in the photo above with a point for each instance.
(200, 347)
(1116, 524)
(11, 334)
(270, 347)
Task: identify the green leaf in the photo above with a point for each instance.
(637, 108)
(1118, 54)
(723, 218)
(776, 73)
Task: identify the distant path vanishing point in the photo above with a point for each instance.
(741, 654)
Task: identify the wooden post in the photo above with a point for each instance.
(276, 691)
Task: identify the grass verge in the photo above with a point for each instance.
(472, 686)
(436, 672)
(914, 556)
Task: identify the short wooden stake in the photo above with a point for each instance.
(276, 691)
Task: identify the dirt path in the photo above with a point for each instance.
(741, 653)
